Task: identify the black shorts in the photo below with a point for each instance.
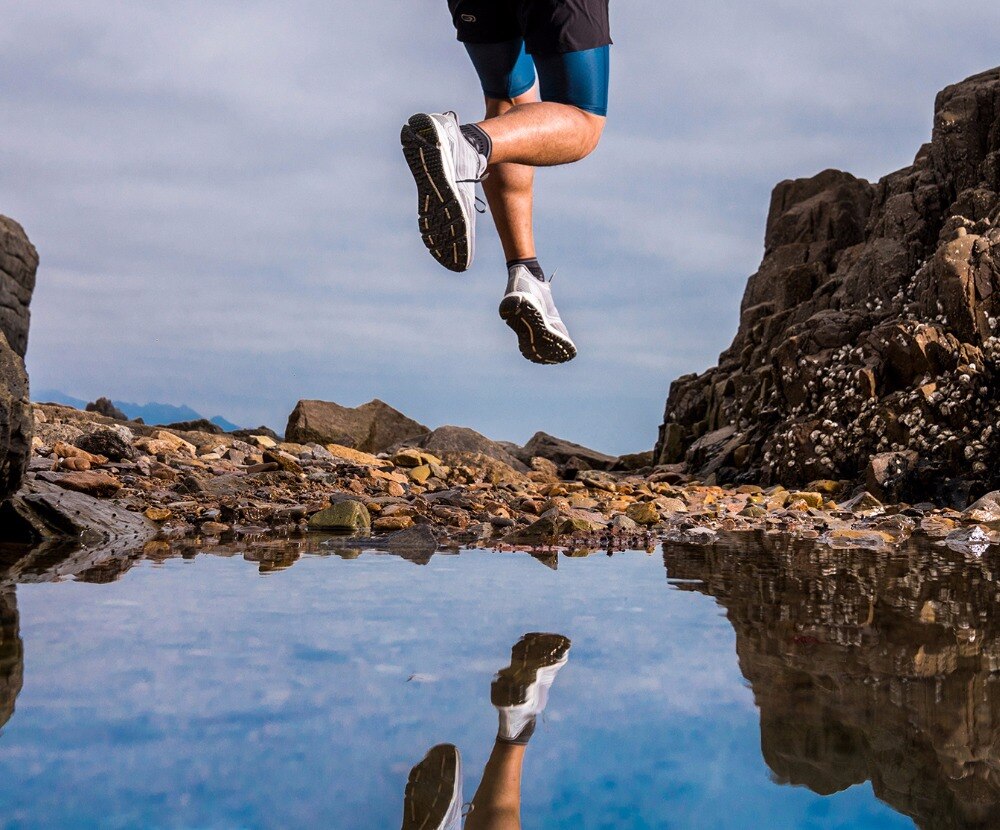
(548, 26)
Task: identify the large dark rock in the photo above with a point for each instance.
(18, 264)
(870, 327)
(371, 427)
(107, 408)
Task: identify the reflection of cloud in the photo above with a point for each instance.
(227, 177)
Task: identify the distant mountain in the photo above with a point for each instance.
(151, 413)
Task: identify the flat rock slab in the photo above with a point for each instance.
(42, 510)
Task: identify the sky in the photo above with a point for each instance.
(225, 220)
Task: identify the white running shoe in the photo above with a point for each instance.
(521, 691)
(433, 798)
(446, 168)
(527, 307)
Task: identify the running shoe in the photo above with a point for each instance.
(521, 691)
(527, 307)
(446, 168)
(433, 798)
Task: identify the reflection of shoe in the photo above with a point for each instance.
(521, 690)
(434, 791)
(446, 168)
(527, 308)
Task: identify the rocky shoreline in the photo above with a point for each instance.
(97, 479)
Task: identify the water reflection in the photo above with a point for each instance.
(867, 667)
(11, 654)
(519, 692)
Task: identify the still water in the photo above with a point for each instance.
(754, 682)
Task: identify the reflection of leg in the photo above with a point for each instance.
(433, 798)
(497, 803)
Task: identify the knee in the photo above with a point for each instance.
(591, 129)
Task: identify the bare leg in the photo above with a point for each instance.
(508, 189)
(543, 133)
(497, 803)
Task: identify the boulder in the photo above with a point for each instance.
(15, 419)
(870, 329)
(344, 515)
(451, 439)
(372, 427)
(18, 266)
(563, 452)
(105, 407)
(107, 442)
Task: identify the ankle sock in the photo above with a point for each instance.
(531, 264)
(478, 138)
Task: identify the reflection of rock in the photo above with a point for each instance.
(11, 654)
(867, 666)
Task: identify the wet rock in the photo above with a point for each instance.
(345, 515)
(42, 510)
(863, 504)
(104, 406)
(974, 540)
(888, 474)
(372, 427)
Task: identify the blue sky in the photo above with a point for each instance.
(224, 218)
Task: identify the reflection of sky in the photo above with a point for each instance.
(201, 694)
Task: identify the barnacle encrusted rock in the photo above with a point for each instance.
(871, 327)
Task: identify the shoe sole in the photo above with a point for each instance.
(430, 788)
(443, 224)
(531, 654)
(537, 342)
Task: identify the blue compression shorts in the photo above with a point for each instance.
(506, 70)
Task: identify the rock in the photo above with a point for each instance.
(814, 500)
(863, 504)
(418, 539)
(412, 457)
(42, 510)
(16, 423)
(563, 452)
(18, 266)
(392, 523)
(246, 434)
(644, 513)
(64, 450)
(214, 528)
(482, 468)
(888, 474)
(157, 514)
(420, 474)
(345, 515)
(633, 462)
(984, 509)
(974, 540)
(107, 442)
(162, 442)
(623, 524)
(870, 328)
(364, 459)
(450, 439)
(94, 483)
(104, 406)
(200, 425)
(372, 427)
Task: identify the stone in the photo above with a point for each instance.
(888, 473)
(157, 514)
(199, 425)
(392, 523)
(104, 406)
(42, 510)
(214, 528)
(450, 439)
(372, 427)
(863, 504)
(107, 442)
(814, 500)
(643, 513)
(365, 459)
(344, 515)
(16, 422)
(413, 457)
(94, 483)
(621, 523)
(869, 333)
(420, 474)
(563, 452)
(66, 451)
